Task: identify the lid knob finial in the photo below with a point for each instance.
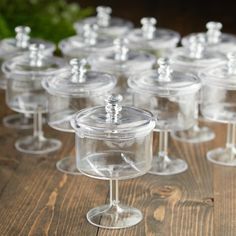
(113, 107)
(213, 32)
(36, 54)
(103, 16)
(196, 46)
(231, 64)
(121, 49)
(79, 69)
(148, 27)
(22, 36)
(90, 33)
(164, 69)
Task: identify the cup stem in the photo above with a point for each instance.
(38, 124)
(230, 139)
(163, 143)
(163, 158)
(114, 193)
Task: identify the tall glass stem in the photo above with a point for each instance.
(163, 142)
(163, 158)
(196, 116)
(38, 123)
(230, 139)
(114, 193)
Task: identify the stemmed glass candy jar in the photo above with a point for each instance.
(219, 104)
(157, 41)
(87, 43)
(172, 97)
(25, 93)
(71, 91)
(193, 59)
(113, 143)
(108, 25)
(122, 62)
(215, 39)
(9, 48)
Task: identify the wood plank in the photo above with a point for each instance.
(39, 200)
(8, 154)
(224, 201)
(224, 196)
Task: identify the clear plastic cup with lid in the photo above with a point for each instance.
(155, 40)
(114, 143)
(108, 25)
(122, 62)
(194, 58)
(219, 105)
(71, 91)
(172, 97)
(25, 93)
(11, 47)
(216, 40)
(89, 42)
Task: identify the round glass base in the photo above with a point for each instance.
(68, 166)
(222, 156)
(194, 135)
(18, 121)
(167, 166)
(114, 216)
(34, 145)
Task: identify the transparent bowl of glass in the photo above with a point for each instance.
(219, 105)
(108, 25)
(216, 39)
(193, 58)
(71, 91)
(172, 97)
(122, 62)
(114, 143)
(152, 39)
(11, 47)
(86, 44)
(26, 95)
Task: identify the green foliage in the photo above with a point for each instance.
(49, 19)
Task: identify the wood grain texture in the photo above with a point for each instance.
(224, 198)
(35, 199)
(38, 200)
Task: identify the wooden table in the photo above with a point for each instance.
(36, 199)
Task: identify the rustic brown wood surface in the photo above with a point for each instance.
(35, 199)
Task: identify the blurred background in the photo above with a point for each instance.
(185, 16)
(53, 19)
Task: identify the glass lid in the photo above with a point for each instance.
(113, 121)
(79, 81)
(121, 59)
(223, 75)
(195, 55)
(164, 81)
(12, 46)
(34, 63)
(214, 37)
(153, 36)
(88, 42)
(108, 25)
